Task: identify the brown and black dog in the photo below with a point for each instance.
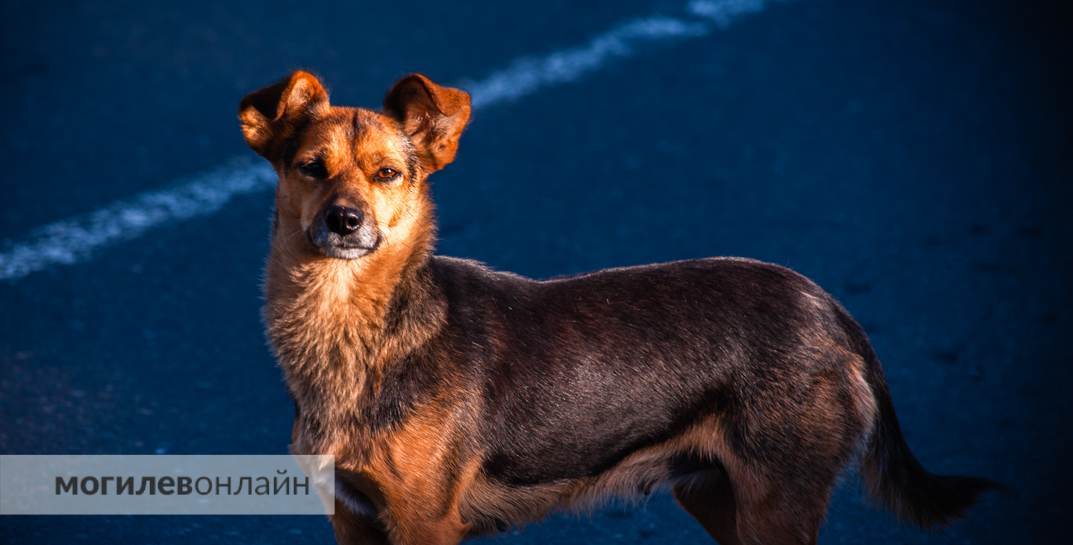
(458, 400)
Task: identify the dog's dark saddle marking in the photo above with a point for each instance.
(617, 367)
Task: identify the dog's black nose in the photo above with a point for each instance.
(342, 220)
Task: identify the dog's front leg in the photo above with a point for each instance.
(352, 529)
(408, 528)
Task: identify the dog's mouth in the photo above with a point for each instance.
(352, 246)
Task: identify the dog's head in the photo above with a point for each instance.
(351, 179)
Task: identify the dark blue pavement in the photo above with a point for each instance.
(911, 157)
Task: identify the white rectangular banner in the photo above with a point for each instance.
(166, 485)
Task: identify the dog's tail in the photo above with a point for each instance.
(892, 474)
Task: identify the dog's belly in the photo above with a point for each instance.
(543, 441)
(493, 505)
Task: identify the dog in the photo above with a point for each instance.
(458, 400)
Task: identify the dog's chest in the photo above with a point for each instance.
(343, 412)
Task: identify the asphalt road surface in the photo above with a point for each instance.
(912, 157)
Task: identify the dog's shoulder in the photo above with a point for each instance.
(457, 276)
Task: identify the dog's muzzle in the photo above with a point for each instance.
(343, 232)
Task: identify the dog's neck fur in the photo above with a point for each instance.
(336, 324)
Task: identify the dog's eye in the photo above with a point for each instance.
(314, 169)
(386, 174)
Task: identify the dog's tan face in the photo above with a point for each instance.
(351, 178)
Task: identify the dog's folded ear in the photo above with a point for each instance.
(268, 116)
(432, 115)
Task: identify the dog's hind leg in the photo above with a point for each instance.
(781, 513)
(709, 498)
(778, 500)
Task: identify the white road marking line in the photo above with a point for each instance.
(725, 12)
(527, 75)
(73, 240)
(69, 241)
